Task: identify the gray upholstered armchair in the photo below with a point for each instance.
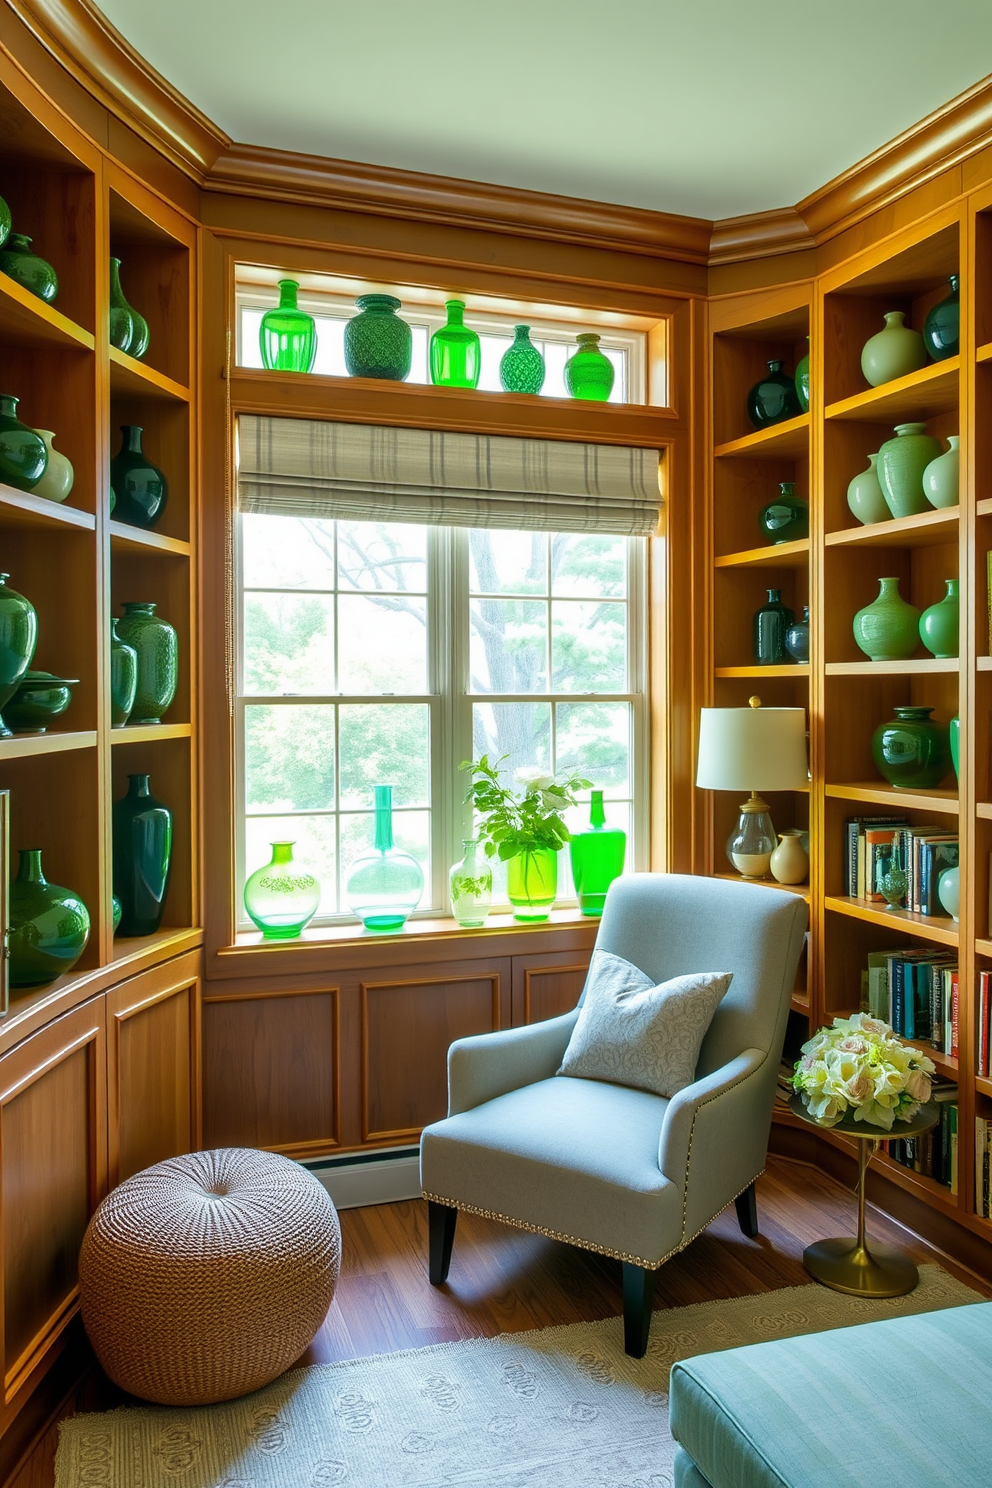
(612, 1169)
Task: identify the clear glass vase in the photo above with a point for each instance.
(287, 335)
(282, 897)
(456, 354)
(532, 883)
(470, 884)
(383, 886)
(597, 858)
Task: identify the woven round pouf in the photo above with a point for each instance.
(204, 1277)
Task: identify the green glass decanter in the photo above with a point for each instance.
(383, 886)
(598, 856)
(521, 368)
(589, 373)
(282, 897)
(470, 883)
(456, 355)
(287, 336)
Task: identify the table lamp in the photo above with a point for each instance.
(752, 749)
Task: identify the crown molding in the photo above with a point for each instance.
(758, 235)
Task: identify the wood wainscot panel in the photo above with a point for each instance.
(546, 986)
(52, 1174)
(271, 1070)
(152, 1067)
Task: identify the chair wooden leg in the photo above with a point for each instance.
(638, 1297)
(441, 1221)
(747, 1212)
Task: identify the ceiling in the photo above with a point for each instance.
(707, 107)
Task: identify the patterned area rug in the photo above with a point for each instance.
(547, 1409)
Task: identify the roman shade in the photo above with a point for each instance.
(368, 473)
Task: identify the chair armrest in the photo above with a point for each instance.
(491, 1064)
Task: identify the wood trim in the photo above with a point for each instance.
(538, 971)
(758, 235)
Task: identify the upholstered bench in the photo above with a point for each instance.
(905, 1401)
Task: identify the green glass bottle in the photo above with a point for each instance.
(597, 858)
(122, 322)
(456, 354)
(5, 220)
(470, 885)
(282, 897)
(383, 885)
(589, 373)
(142, 857)
(786, 519)
(941, 329)
(23, 456)
(802, 382)
(287, 335)
(49, 925)
(25, 267)
(521, 368)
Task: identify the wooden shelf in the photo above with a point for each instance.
(29, 746)
(983, 947)
(127, 539)
(169, 941)
(984, 810)
(939, 928)
(913, 667)
(947, 1064)
(27, 321)
(983, 1085)
(802, 890)
(799, 1004)
(984, 353)
(919, 395)
(792, 669)
(983, 663)
(984, 507)
(135, 379)
(781, 555)
(944, 801)
(788, 440)
(149, 733)
(902, 532)
(21, 509)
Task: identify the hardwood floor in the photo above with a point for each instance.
(505, 1281)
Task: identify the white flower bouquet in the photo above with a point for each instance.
(860, 1066)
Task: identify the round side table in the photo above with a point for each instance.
(848, 1266)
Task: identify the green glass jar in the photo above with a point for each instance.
(142, 845)
(32, 273)
(802, 382)
(470, 884)
(942, 327)
(588, 372)
(123, 678)
(773, 398)
(376, 342)
(282, 897)
(140, 488)
(122, 323)
(901, 465)
(5, 220)
(49, 925)
(786, 519)
(939, 625)
(383, 885)
(456, 352)
(769, 628)
(888, 628)
(157, 648)
(38, 700)
(287, 336)
(532, 883)
(18, 638)
(115, 913)
(911, 751)
(597, 856)
(521, 367)
(23, 456)
(797, 638)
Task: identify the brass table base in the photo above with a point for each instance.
(846, 1266)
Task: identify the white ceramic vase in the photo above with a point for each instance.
(789, 863)
(864, 496)
(56, 483)
(949, 891)
(893, 352)
(940, 479)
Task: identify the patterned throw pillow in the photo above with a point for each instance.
(631, 1032)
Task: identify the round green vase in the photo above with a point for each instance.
(597, 856)
(23, 455)
(140, 488)
(942, 327)
(287, 336)
(901, 463)
(123, 678)
(18, 638)
(456, 352)
(888, 628)
(588, 373)
(532, 883)
(142, 847)
(521, 367)
(802, 382)
(864, 496)
(49, 925)
(383, 885)
(942, 475)
(115, 912)
(376, 342)
(797, 638)
(786, 519)
(32, 273)
(893, 352)
(773, 398)
(954, 736)
(282, 897)
(911, 751)
(38, 700)
(5, 220)
(122, 322)
(939, 625)
(157, 648)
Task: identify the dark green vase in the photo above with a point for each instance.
(773, 399)
(376, 342)
(115, 912)
(4, 222)
(521, 368)
(140, 337)
(456, 353)
(287, 336)
(769, 627)
(802, 382)
(18, 637)
(911, 751)
(128, 329)
(597, 858)
(38, 700)
(140, 487)
(954, 736)
(49, 925)
(142, 838)
(797, 638)
(123, 678)
(27, 269)
(942, 327)
(157, 648)
(23, 456)
(589, 374)
(786, 519)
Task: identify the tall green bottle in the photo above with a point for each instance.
(597, 858)
(456, 354)
(287, 336)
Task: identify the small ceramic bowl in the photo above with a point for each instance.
(39, 699)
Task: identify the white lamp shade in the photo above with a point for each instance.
(752, 749)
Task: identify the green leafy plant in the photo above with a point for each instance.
(514, 824)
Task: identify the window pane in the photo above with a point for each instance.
(508, 646)
(314, 839)
(411, 832)
(382, 644)
(286, 553)
(288, 644)
(556, 354)
(593, 740)
(329, 361)
(588, 646)
(492, 348)
(289, 758)
(520, 730)
(508, 562)
(585, 565)
(385, 744)
(382, 557)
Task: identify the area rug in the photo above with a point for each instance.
(548, 1409)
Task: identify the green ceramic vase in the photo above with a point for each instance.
(588, 372)
(122, 322)
(157, 648)
(894, 352)
(383, 885)
(773, 398)
(142, 845)
(901, 463)
(38, 700)
(56, 483)
(911, 751)
(18, 638)
(376, 342)
(939, 625)
(797, 638)
(864, 496)
(282, 897)
(49, 925)
(942, 327)
(597, 856)
(115, 912)
(768, 630)
(287, 336)
(456, 352)
(140, 488)
(5, 220)
(470, 886)
(532, 883)
(123, 678)
(139, 336)
(954, 737)
(23, 456)
(888, 628)
(521, 367)
(802, 382)
(941, 477)
(26, 268)
(786, 519)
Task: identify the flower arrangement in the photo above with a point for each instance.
(860, 1066)
(517, 824)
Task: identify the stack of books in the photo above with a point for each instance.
(915, 991)
(984, 1022)
(923, 852)
(983, 1144)
(935, 1153)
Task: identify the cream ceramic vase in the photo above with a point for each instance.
(864, 496)
(893, 352)
(940, 479)
(949, 891)
(789, 863)
(901, 463)
(56, 483)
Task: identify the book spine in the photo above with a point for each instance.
(921, 1000)
(953, 1123)
(897, 984)
(981, 1163)
(851, 858)
(937, 1006)
(983, 1023)
(954, 1015)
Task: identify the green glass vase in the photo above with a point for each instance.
(5, 220)
(383, 886)
(157, 648)
(26, 268)
(123, 326)
(282, 897)
(38, 700)
(942, 327)
(456, 352)
(786, 519)
(18, 638)
(597, 856)
(773, 398)
(142, 845)
(888, 628)
(911, 751)
(521, 367)
(769, 629)
(954, 737)
(287, 336)
(532, 883)
(939, 625)
(140, 488)
(376, 342)
(797, 638)
(123, 678)
(588, 372)
(23, 456)
(49, 925)
(901, 465)
(470, 884)
(802, 382)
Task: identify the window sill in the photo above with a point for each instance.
(443, 928)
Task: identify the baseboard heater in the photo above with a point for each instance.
(369, 1177)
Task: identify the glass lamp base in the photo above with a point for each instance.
(753, 840)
